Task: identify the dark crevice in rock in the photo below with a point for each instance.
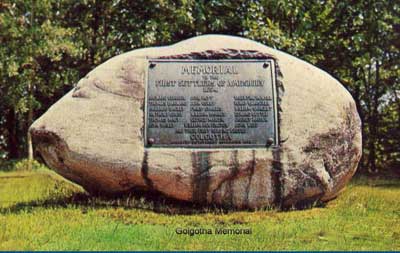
(145, 170)
(201, 177)
(277, 167)
(227, 199)
(142, 129)
(234, 170)
(251, 170)
(326, 166)
(60, 159)
(280, 89)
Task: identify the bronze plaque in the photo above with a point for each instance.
(211, 103)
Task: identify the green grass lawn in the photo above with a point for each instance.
(41, 211)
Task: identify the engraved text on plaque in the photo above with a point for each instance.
(211, 103)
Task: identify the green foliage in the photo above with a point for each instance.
(47, 46)
(21, 165)
(34, 65)
(41, 211)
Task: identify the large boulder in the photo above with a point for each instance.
(94, 135)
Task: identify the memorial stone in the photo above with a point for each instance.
(214, 120)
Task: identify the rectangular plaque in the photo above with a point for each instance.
(211, 103)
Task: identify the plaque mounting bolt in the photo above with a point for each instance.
(152, 65)
(150, 141)
(270, 141)
(265, 65)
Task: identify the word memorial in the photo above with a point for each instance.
(210, 103)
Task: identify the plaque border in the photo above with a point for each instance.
(273, 72)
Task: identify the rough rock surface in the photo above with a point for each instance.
(94, 135)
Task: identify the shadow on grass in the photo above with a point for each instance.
(387, 185)
(12, 177)
(140, 200)
(387, 181)
(137, 200)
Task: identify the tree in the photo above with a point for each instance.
(34, 64)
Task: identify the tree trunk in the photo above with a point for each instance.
(374, 123)
(357, 99)
(12, 141)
